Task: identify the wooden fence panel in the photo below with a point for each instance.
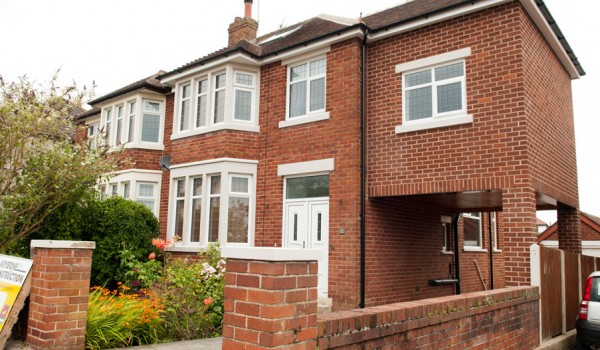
(571, 290)
(587, 267)
(551, 292)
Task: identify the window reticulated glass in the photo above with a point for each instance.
(472, 229)
(151, 121)
(306, 88)
(219, 110)
(307, 187)
(184, 113)
(215, 208)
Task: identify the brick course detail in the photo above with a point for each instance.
(270, 305)
(59, 297)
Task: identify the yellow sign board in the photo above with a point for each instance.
(13, 272)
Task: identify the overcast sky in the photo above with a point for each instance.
(114, 43)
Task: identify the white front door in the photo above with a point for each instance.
(307, 227)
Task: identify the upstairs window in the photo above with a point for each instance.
(223, 99)
(92, 135)
(434, 92)
(150, 121)
(134, 123)
(306, 88)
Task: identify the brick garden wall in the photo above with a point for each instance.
(500, 319)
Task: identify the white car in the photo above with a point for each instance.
(588, 322)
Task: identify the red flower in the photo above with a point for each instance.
(207, 301)
(152, 256)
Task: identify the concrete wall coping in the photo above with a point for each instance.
(271, 254)
(62, 244)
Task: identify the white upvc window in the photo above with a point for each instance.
(244, 87)
(93, 134)
(201, 102)
(219, 86)
(108, 125)
(185, 104)
(472, 231)
(139, 185)
(447, 235)
(213, 202)
(119, 125)
(306, 92)
(434, 92)
(225, 98)
(135, 123)
(131, 113)
(150, 121)
(494, 223)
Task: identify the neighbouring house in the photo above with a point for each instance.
(409, 146)
(590, 235)
(541, 226)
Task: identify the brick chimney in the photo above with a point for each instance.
(243, 28)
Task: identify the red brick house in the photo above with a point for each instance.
(409, 146)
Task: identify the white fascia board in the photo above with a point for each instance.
(540, 21)
(292, 54)
(271, 254)
(237, 57)
(216, 160)
(313, 166)
(438, 17)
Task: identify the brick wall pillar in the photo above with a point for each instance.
(569, 228)
(520, 232)
(59, 294)
(270, 299)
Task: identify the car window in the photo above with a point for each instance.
(595, 292)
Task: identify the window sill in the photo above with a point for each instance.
(144, 145)
(218, 127)
(185, 249)
(497, 250)
(303, 120)
(475, 249)
(436, 123)
(447, 252)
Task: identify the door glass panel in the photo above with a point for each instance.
(295, 227)
(307, 187)
(319, 217)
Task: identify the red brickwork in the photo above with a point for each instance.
(59, 296)
(270, 305)
(569, 228)
(499, 319)
(338, 138)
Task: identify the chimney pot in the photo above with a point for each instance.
(247, 8)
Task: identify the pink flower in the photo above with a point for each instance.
(160, 243)
(207, 301)
(152, 256)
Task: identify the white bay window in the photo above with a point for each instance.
(142, 186)
(135, 122)
(222, 99)
(213, 202)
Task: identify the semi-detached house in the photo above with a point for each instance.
(411, 146)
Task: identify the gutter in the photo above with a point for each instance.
(363, 169)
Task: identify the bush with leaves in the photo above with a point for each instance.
(191, 289)
(43, 168)
(116, 224)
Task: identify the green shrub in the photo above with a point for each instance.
(115, 224)
(118, 319)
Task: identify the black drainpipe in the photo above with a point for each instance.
(456, 250)
(363, 170)
(491, 250)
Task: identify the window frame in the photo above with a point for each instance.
(447, 232)
(309, 116)
(109, 119)
(229, 89)
(132, 178)
(227, 169)
(437, 120)
(434, 84)
(474, 248)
